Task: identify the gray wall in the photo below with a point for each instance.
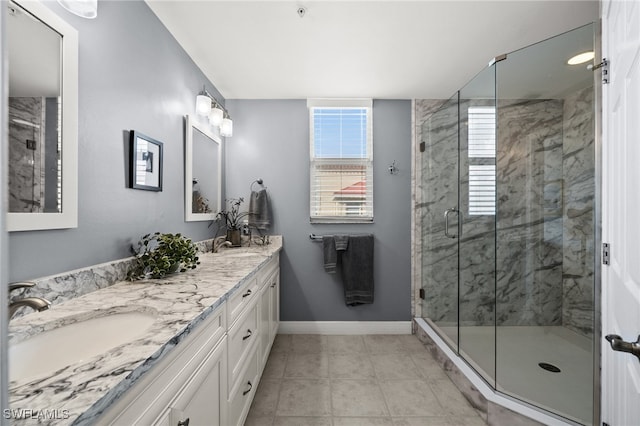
(133, 75)
(271, 141)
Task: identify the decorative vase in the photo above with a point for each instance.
(234, 236)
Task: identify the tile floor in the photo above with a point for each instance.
(371, 380)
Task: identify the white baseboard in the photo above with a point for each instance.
(345, 327)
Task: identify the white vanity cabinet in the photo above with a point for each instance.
(250, 336)
(201, 401)
(211, 377)
(189, 382)
(269, 308)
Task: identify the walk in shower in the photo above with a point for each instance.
(506, 223)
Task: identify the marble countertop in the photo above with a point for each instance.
(79, 392)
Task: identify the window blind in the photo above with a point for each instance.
(341, 164)
(482, 154)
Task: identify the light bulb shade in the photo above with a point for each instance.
(215, 116)
(226, 128)
(203, 105)
(84, 8)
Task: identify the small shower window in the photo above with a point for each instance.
(482, 160)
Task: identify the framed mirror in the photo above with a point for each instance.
(42, 117)
(202, 172)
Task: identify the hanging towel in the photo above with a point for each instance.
(357, 270)
(330, 254)
(342, 242)
(259, 209)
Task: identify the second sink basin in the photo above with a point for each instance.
(51, 350)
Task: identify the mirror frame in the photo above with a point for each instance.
(68, 218)
(190, 126)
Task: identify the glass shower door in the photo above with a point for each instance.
(477, 216)
(439, 187)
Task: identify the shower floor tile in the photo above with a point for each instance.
(363, 385)
(520, 350)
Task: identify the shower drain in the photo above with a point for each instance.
(549, 367)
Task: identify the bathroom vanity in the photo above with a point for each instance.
(199, 362)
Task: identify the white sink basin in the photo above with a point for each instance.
(51, 350)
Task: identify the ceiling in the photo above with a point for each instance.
(343, 49)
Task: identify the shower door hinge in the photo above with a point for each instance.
(605, 253)
(423, 146)
(605, 70)
(422, 293)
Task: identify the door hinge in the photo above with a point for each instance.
(606, 252)
(605, 70)
(422, 293)
(423, 146)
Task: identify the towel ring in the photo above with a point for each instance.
(258, 181)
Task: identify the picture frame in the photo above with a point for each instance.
(145, 168)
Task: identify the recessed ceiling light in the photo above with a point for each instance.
(581, 58)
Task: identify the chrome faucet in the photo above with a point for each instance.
(219, 242)
(38, 303)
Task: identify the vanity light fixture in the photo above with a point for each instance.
(226, 128)
(581, 58)
(208, 106)
(83, 8)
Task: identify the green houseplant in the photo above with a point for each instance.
(232, 219)
(159, 254)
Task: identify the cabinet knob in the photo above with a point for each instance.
(184, 422)
(247, 391)
(249, 333)
(248, 293)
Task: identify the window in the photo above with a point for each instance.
(341, 160)
(482, 161)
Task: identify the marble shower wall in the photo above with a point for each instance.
(544, 235)
(26, 166)
(578, 216)
(529, 212)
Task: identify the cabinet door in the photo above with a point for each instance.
(203, 399)
(274, 308)
(265, 324)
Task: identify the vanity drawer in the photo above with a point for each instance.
(267, 270)
(242, 395)
(241, 339)
(240, 299)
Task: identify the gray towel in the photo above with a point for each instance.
(330, 254)
(357, 270)
(342, 242)
(259, 209)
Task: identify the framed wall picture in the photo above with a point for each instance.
(146, 162)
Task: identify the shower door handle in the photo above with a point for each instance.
(617, 344)
(446, 222)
